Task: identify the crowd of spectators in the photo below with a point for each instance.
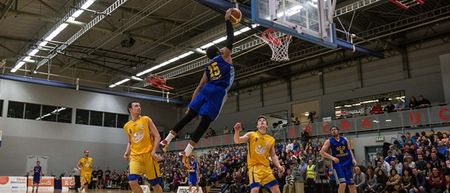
(412, 164)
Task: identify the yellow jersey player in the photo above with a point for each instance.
(143, 140)
(260, 147)
(85, 166)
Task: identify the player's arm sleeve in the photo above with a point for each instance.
(230, 35)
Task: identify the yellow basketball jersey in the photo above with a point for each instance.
(259, 149)
(86, 164)
(139, 134)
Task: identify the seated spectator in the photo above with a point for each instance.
(376, 109)
(406, 182)
(436, 182)
(393, 183)
(381, 180)
(359, 178)
(370, 182)
(423, 102)
(418, 182)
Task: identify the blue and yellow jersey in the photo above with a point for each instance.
(140, 138)
(259, 149)
(220, 72)
(339, 149)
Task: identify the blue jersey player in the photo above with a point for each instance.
(37, 173)
(194, 171)
(342, 157)
(210, 94)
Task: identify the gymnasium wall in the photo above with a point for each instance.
(377, 76)
(64, 142)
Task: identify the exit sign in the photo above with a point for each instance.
(379, 138)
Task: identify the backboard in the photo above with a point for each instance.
(309, 20)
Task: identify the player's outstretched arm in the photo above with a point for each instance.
(237, 137)
(275, 160)
(226, 51)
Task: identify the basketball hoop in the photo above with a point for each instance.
(159, 82)
(279, 44)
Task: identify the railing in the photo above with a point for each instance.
(403, 119)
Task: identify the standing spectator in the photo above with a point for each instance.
(76, 175)
(418, 182)
(289, 186)
(311, 176)
(413, 103)
(376, 109)
(301, 169)
(289, 146)
(436, 182)
(359, 178)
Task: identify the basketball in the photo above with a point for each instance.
(236, 16)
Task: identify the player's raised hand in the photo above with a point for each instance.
(228, 14)
(237, 127)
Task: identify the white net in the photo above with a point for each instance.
(279, 44)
